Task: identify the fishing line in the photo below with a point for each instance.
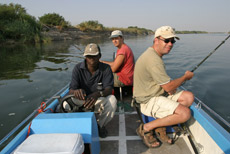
(209, 54)
(76, 46)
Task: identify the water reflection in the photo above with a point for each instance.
(16, 62)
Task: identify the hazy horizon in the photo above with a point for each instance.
(205, 15)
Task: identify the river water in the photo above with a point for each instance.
(30, 74)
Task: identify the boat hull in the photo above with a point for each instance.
(83, 123)
(210, 137)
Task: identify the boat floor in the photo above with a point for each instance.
(122, 137)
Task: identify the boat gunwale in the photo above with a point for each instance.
(25, 123)
(215, 130)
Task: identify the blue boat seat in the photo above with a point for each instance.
(83, 123)
(146, 119)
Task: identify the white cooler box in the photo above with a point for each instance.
(51, 144)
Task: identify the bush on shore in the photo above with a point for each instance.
(16, 24)
(53, 20)
(95, 26)
(191, 32)
(90, 25)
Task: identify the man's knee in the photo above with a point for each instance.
(112, 102)
(184, 112)
(187, 98)
(190, 98)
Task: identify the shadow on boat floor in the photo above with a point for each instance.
(122, 137)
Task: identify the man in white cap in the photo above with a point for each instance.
(84, 85)
(157, 93)
(123, 65)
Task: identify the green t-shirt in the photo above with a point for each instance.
(149, 75)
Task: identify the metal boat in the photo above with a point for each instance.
(201, 134)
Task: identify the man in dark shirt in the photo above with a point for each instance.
(85, 78)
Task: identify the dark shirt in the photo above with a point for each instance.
(82, 78)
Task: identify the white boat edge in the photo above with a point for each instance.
(209, 136)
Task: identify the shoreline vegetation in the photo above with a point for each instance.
(17, 26)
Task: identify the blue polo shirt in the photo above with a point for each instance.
(82, 78)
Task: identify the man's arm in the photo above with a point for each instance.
(107, 91)
(116, 64)
(92, 98)
(171, 86)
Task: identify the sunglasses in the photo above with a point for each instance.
(167, 40)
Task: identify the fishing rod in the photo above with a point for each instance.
(210, 54)
(76, 46)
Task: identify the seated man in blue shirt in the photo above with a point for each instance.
(85, 78)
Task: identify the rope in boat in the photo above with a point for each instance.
(39, 110)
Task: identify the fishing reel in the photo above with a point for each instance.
(69, 105)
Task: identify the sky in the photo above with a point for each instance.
(199, 15)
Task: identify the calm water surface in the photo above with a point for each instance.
(31, 74)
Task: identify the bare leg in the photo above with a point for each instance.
(180, 115)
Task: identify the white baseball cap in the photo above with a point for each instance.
(116, 33)
(166, 32)
(92, 49)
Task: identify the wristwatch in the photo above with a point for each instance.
(101, 94)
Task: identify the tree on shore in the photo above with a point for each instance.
(91, 25)
(53, 20)
(16, 24)
(191, 32)
(95, 26)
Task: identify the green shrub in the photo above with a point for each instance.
(133, 30)
(53, 19)
(16, 24)
(90, 26)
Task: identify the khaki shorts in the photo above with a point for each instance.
(104, 110)
(117, 82)
(161, 106)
